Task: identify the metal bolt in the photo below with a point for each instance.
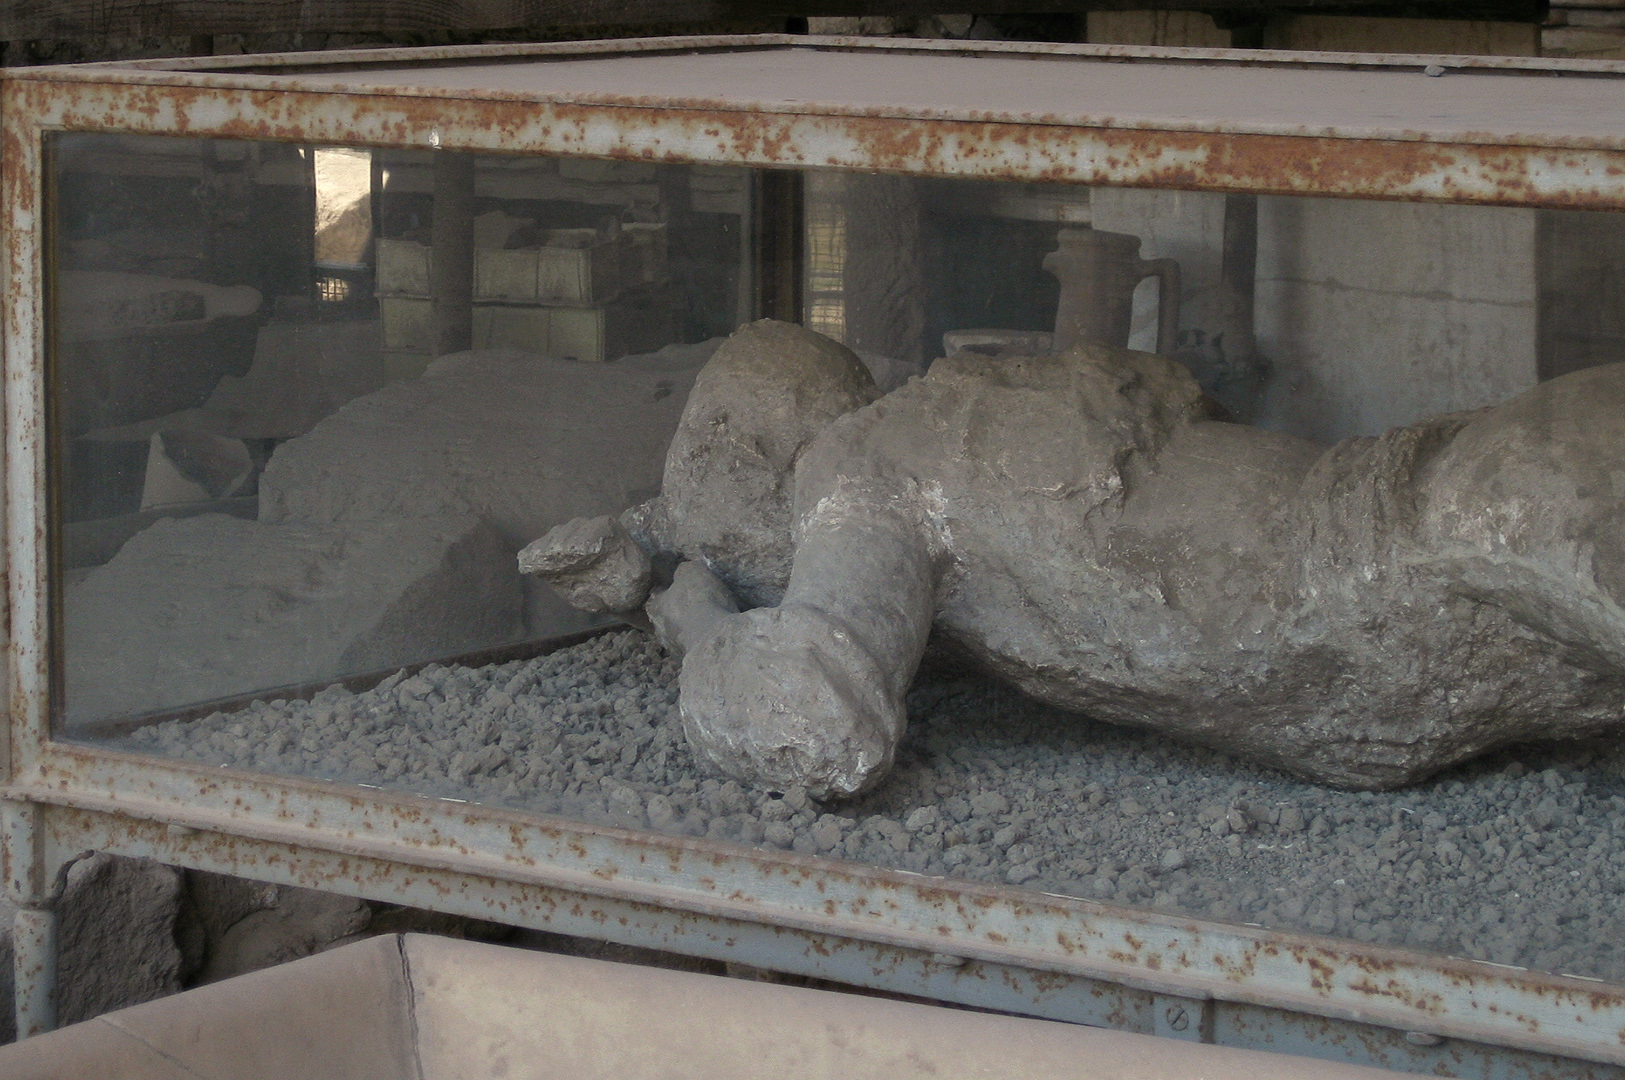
(1178, 1019)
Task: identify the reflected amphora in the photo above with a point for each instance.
(1098, 272)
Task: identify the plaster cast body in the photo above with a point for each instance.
(1363, 614)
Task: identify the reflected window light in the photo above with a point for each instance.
(343, 207)
(826, 255)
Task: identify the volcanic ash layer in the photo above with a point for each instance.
(1517, 860)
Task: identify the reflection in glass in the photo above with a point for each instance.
(288, 516)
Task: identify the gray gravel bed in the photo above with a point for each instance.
(1516, 858)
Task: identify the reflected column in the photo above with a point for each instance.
(451, 236)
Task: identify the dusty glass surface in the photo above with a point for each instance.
(288, 525)
(283, 460)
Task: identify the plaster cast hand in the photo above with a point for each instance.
(593, 563)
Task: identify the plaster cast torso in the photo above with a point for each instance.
(1327, 610)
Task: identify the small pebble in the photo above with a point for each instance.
(922, 818)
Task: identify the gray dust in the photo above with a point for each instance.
(1518, 858)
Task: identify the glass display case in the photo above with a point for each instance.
(1145, 496)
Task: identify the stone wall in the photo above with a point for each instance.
(1375, 315)
(1331, 33)
(1585, 29)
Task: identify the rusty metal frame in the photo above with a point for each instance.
(990, 946)
(237, 98)
(985, 945)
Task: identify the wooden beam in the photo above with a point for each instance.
(59, 19)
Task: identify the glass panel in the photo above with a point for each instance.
(269, 480)
(1307, 614)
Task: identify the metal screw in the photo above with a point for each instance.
(1178, 1019)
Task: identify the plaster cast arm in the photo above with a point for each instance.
(810, 692)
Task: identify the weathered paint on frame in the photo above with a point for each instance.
(988, 945)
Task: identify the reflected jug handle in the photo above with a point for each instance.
(1166, 271)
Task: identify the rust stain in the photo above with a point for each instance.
(1322, 977)
(1396, 990)
(1043, 149)
(643, 130)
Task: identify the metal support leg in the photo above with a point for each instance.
(33, 945)
(31, 888)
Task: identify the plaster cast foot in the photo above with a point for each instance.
(787, 697)
(688, 612)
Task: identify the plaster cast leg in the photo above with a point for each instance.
(810, 693)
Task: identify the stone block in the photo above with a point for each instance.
(200, 608)
(1375, 315)
(117, 936)
(1358, 33)
(524, 441)
(298, 923)
(1187, 29)
(1586, 42)
(1614, 19)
